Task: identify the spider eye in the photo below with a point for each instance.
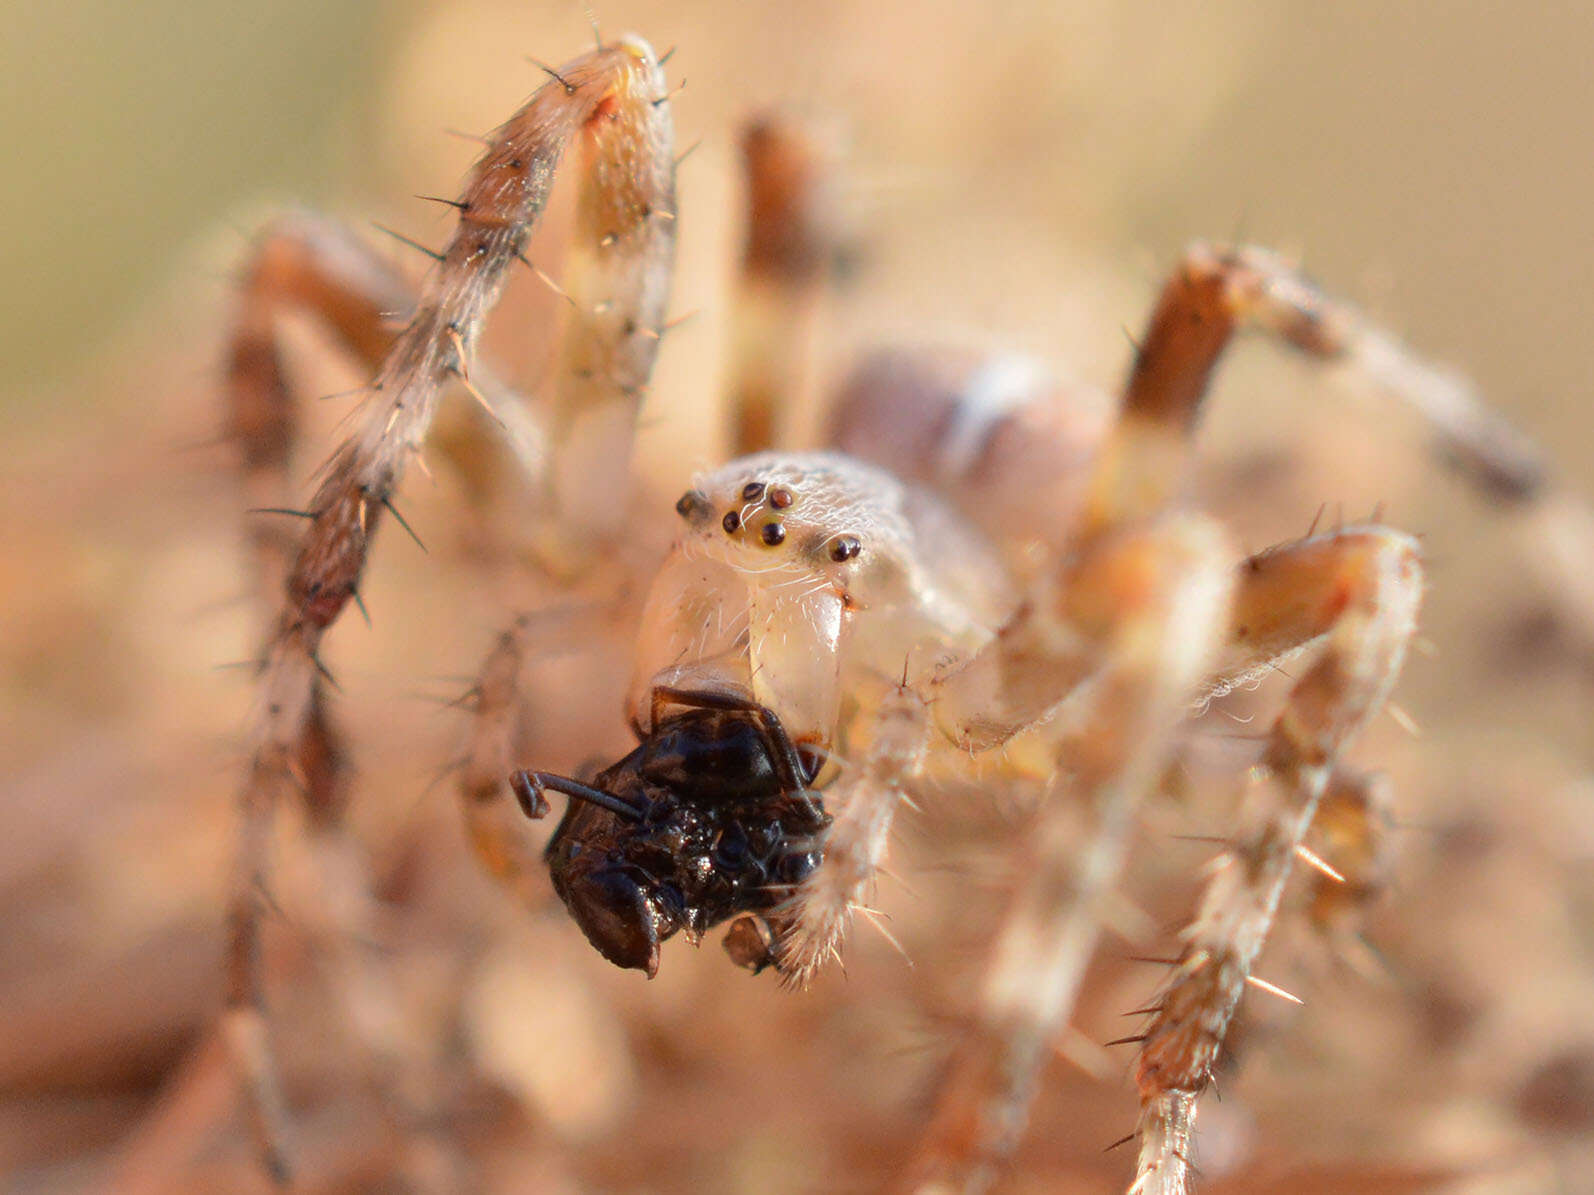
(690, 503)
(844, 548)
(732, 522)
(773, 534)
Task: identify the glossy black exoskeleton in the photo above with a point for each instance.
(709, 817)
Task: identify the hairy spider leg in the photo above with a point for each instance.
(1138, 478)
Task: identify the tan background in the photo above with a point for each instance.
(1023, 175)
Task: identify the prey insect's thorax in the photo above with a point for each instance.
(809, 581)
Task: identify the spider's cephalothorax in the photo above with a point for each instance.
(710, 816)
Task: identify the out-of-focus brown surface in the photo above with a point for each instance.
(1021, 178)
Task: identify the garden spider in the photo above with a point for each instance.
(1016, 569)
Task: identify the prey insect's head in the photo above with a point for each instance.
(709, 817)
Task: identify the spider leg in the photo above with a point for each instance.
(1270, 625)
(1144, 612)
(1365, 585)
(611, 102)
(1051, 647)
(317, 266)
(1351, 835)
(493, 824)
(617, 279)
(1278, 612)
(313, 265)
(304, 264)
(796, 242)
(1218, 291)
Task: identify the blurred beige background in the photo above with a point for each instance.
(1431, 158)
(1023, 175)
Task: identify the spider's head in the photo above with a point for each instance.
(707, 818)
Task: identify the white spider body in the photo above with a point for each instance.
(815, 605)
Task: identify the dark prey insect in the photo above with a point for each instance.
(709, 817)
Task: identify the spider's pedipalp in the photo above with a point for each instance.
(814, 920)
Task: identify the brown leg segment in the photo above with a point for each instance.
(1366, 585)
(795, 239)
(614, 102)
(315, 266)
(1218, 291)
(497, 829)
(318, 267)
(1147, 608)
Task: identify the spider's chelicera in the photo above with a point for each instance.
(710, 816)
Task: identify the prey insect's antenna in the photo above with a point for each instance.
(529, 787)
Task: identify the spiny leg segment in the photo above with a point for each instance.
(1218, 291)
(298, 263)
(614, 102)
(1038, 658)
(1145, 611)
(1367, 585)
(810, 925)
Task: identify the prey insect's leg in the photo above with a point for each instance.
(809, 927)
(1144, 611)
(1365, 585)
(529, 787)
